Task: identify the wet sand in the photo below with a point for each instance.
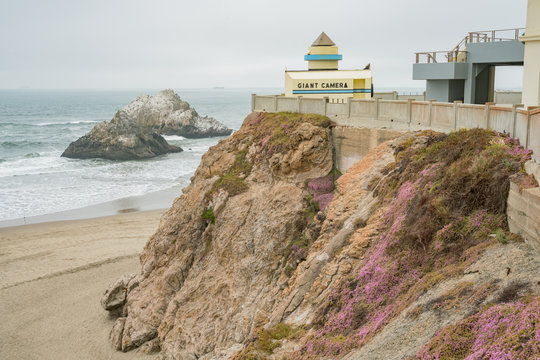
(52, 276)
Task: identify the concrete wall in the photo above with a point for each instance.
(523, 209)
(351, 144)
(440, 71)
(507, 97)
(495, 52)
(455, 93)
(445, 90)
(394, 95)
(411, 115)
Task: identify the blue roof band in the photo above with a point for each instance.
(323, 57)
(329, 91)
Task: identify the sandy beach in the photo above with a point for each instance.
(52, 276)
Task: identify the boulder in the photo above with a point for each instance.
(119, 139)
(167, 114)
(135, 131)
(115, 296)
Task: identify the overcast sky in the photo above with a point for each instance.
(108, 44)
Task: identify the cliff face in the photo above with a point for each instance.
(223, 241)
(411, 239)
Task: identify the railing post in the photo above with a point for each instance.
(409, 111)
(417, 58)
(456, 105)
(488, 115)
(514, 119)
(528, 137)
(253, 102)
(430, 112)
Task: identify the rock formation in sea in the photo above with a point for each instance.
(135, 131)
(119, 139)
(167, 114)
(270, 254)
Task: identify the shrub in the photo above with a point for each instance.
(208, 215)
(505, 331)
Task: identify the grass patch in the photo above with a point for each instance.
(266, 341)
(208, 215)
(233, 180)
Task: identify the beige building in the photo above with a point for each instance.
(531, 60)
(323, 79)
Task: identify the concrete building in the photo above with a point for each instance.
(531, 67)
(323, 79)
(467, 72)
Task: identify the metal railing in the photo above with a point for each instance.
(459, 52)
(441, 56)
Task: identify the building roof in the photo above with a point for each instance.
(330, 74)
(323, 40)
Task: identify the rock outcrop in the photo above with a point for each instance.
(167, 114)
(412, 239)
(119, 139)
(135, 131)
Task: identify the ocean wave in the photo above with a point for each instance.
(173, 137)
(32, 155)
(67, 123)
(14, 144)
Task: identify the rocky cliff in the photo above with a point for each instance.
(135, 131)
(269, 254)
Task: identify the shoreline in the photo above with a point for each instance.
(156, 200)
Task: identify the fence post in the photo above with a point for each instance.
(514, 119)
(456, 102)
(253, 102)
(325, 104)
(377, 108)
(299, 103)
(430, 115)
(349, 99)
(487, 115)
(409, 112)
(276, 103)
(528, 137)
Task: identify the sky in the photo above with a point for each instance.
(135, 44)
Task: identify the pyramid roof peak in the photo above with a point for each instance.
(323, 40)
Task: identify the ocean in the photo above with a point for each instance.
(37, 125)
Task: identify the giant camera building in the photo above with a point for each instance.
(323, 79)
